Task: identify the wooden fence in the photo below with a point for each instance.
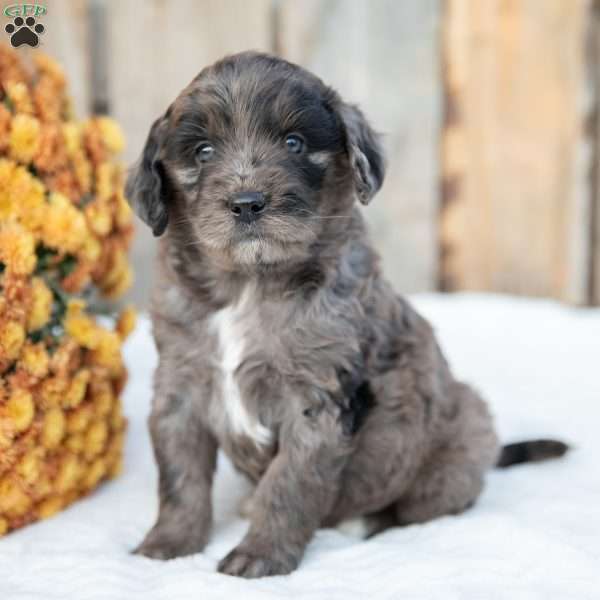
(489, 110)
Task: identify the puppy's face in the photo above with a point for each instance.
(254, 158)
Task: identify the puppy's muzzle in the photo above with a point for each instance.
(247, 207)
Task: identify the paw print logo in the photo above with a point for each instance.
(24, 32)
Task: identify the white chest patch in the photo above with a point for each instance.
(230, 327)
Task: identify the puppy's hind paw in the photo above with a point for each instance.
(241, 563)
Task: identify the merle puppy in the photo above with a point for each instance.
(279, 340)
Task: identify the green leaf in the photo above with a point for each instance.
(45, 257)
(67, 265)
(9, 104)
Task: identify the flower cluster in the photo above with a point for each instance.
(65, 228)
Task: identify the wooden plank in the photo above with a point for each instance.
(98, 56)
(384, 55)
(594, 280)
(155, 49)
(515, 157)
(593, 69)
(66, 39)
(595, 263)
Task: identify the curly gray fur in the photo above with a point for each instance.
(280, 341)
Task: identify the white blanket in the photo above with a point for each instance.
(535, 532)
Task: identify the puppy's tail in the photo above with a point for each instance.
(530, 451)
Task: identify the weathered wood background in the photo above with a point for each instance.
(489, 110)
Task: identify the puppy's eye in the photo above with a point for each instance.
(204, 152)
(294, 143)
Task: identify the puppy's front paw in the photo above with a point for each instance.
(156, 549)
(163, 544)
(242, 562)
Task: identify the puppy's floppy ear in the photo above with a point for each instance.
(146, 186)
(365, 152)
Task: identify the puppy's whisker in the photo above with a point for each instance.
(323, 218)
(313, 215)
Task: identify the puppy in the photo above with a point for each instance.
(279, 340)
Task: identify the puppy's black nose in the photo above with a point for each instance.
(248, 206)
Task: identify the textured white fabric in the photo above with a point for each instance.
(535, 533)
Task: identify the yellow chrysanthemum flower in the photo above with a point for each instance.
(126, 322)
(75, 443)
(96, 471)
(123, 214)
(108, 351)
(5, 119)
(54, 428)
(30, 465)
(24, 140)
(72, 137)
(80, 326)
(65, 358)
(111, 133)
(116, 468)
(118, 274)
(49, 67)
(117, 420)
(65, 227)
(13, 499)
(77, 389)
(20, 409)
(21, 195)
(49, 507)
(68, 473)
(105, 187)
(63, 215)
(41, 305)
(17, 249)
(28, 199)
(95, 439)
(122, 283)
(12, 336)
(79, 419)
(115, 445)
(18, 94)
(99, 217)
(34, 359)
(52, 391)
(42, 487)
(7, 435)
(83, 171)
(7, 169)
(91, 249)
(103, 402)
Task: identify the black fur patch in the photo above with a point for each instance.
(357, 402)
(308, 279)
(530, 451)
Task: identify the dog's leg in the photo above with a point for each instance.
(185, 453)
(452, 478)
(293, 497)
(447, 487)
